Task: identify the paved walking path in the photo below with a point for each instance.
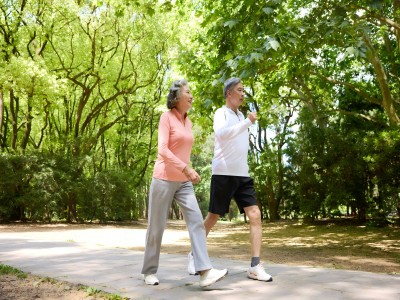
(98, 258)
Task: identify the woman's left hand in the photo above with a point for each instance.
(191, 175)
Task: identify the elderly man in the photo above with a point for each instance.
(230, 173)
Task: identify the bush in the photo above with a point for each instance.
(47, 187)
(106, 197)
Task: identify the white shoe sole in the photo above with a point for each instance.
(210, 282)
(148, 282)
(254, 277)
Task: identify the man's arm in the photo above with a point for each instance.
(223, 131)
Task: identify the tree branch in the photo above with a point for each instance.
(349, 85)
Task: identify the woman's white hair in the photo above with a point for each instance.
(175, 92)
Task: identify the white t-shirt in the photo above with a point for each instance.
(231, 143)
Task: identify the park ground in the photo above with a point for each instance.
(338, 244)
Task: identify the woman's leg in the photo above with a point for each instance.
(187, 201)
(160, 199)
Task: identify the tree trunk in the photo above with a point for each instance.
(279, 191)
(28, 127)
(14, 113)
(273, 204)
(396, 9)
(1, 116)
(72, 214)
(387, 97)
(361, 208)
(175, 211)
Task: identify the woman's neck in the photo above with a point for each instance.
(181, 112)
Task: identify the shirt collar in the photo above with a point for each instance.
(178, 115)
(231, 110)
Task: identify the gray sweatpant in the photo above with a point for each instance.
(162, 192)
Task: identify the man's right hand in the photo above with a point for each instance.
(252, 116)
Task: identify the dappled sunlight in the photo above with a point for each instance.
(387, 245)
(306, 242)
(362, 260)
(338, 247)
(219, 234)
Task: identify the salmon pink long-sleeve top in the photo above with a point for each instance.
(175, 141)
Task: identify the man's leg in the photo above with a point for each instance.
(254, 215)
(210, 221)
(256, 271)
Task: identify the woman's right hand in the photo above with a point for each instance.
(191, 175)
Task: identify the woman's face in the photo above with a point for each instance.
(185, 100)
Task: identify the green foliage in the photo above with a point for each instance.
(318, 75)
(84, 85)
(92, 291)
(106, 196)
(41, 187)
(201, 162)
(81, 92)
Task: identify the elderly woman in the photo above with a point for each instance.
(173, 178)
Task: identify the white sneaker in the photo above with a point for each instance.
(258, 273)
(191, 268)
(150, 279)
(211, 276)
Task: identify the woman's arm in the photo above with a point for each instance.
(164, 128)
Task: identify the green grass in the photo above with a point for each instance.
(7, 270)
(90, 291)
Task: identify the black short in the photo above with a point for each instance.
(224, 188)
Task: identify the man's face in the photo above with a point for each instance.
(235, 95)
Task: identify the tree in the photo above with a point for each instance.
(84, 80)
(291, 52)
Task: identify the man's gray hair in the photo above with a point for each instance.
(230, 83)
(175, 92)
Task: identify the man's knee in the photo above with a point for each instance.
(254, 214)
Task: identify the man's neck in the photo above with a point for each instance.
(235, 109)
